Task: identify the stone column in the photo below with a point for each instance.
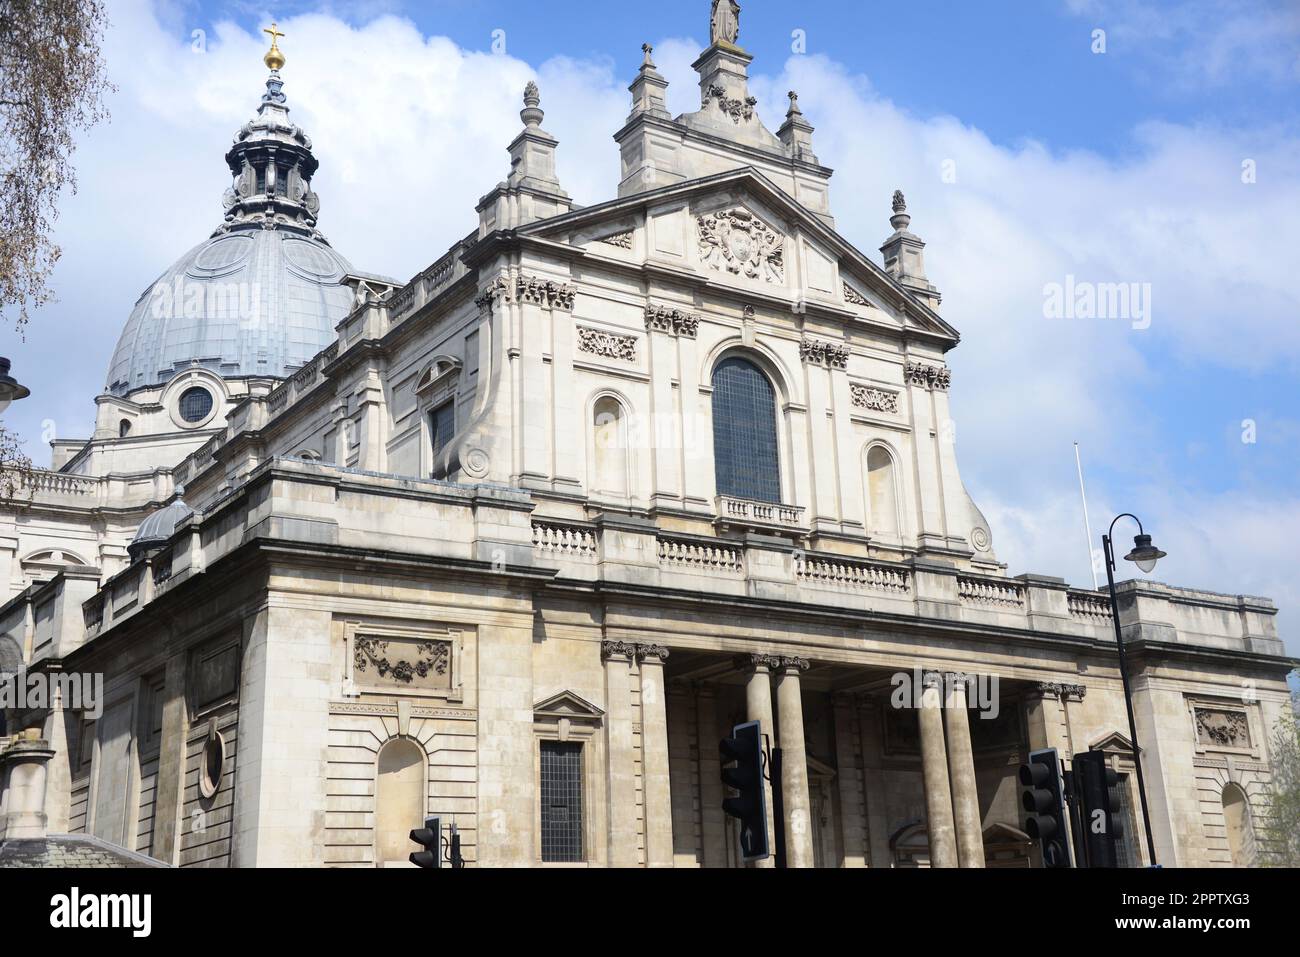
(853, 816)
(58, 775)
(871, 735)
(168, 824)
(934, 764)
(961, 769)
(654, 758)
(24, 769)
(713, 821)
(619, 759)
(794, 765)
(758, 707)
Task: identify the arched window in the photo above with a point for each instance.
(399, 800)
(609, 471)
(882, 501)
(745, 458)
(1236, 822)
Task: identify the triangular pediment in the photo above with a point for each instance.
(566, 704)
(1112, 742)
(739, 226)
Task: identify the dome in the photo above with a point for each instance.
(257, 302)
(262, 295)
(158, 528)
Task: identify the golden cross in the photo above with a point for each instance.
(275, 34)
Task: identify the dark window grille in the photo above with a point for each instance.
(1126, 854)
(195, 404)
(561, 802)
(442, 424)
(746, 462)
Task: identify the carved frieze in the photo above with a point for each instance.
(1222, 728)
(874, 400)
(633, 650)
(607, 344)
(1058, 689)
(738, 242)
(833, 355)
(544, 292)
(497, 289)
(670, 320)
(928, 376)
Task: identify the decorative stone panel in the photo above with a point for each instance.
(874, 400)
(608, 344)
(738, 242)
(1218, 728)
(851, 295)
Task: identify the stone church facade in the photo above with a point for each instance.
(517, 541)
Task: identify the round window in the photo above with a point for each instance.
(213, 762)
(195, 404)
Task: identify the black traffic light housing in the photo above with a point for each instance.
(1098, 804)
(1043, 800)
(430, 838)
(742, 760)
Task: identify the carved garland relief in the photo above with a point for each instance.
(1222, 728)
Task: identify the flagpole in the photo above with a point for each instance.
(1087, 526)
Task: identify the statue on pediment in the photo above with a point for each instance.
(724, 22)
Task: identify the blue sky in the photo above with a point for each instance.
(1118, 166)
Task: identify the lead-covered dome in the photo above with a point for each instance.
(262, 295)
(257, 302)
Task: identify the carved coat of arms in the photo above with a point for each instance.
(739, 242)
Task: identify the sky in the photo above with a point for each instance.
(1043, 144)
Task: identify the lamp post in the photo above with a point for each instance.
(10, 388)
(1144, 555)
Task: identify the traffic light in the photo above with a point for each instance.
(430, 838)
(457, 861)
(744, 750)
(1098, 803)
(1042, 798)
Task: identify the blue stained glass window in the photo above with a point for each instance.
(745, 456)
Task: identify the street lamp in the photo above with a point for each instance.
(10, 388)
(1144, 555)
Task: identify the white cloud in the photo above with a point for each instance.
(1200, 43)
(412, 130)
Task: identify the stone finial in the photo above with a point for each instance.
(900, 219)
(647, 62)
(794, 106)
(532, 114)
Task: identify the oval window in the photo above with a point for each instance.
(195, 404)
(212, 763)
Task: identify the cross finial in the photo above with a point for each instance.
(274, 59)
